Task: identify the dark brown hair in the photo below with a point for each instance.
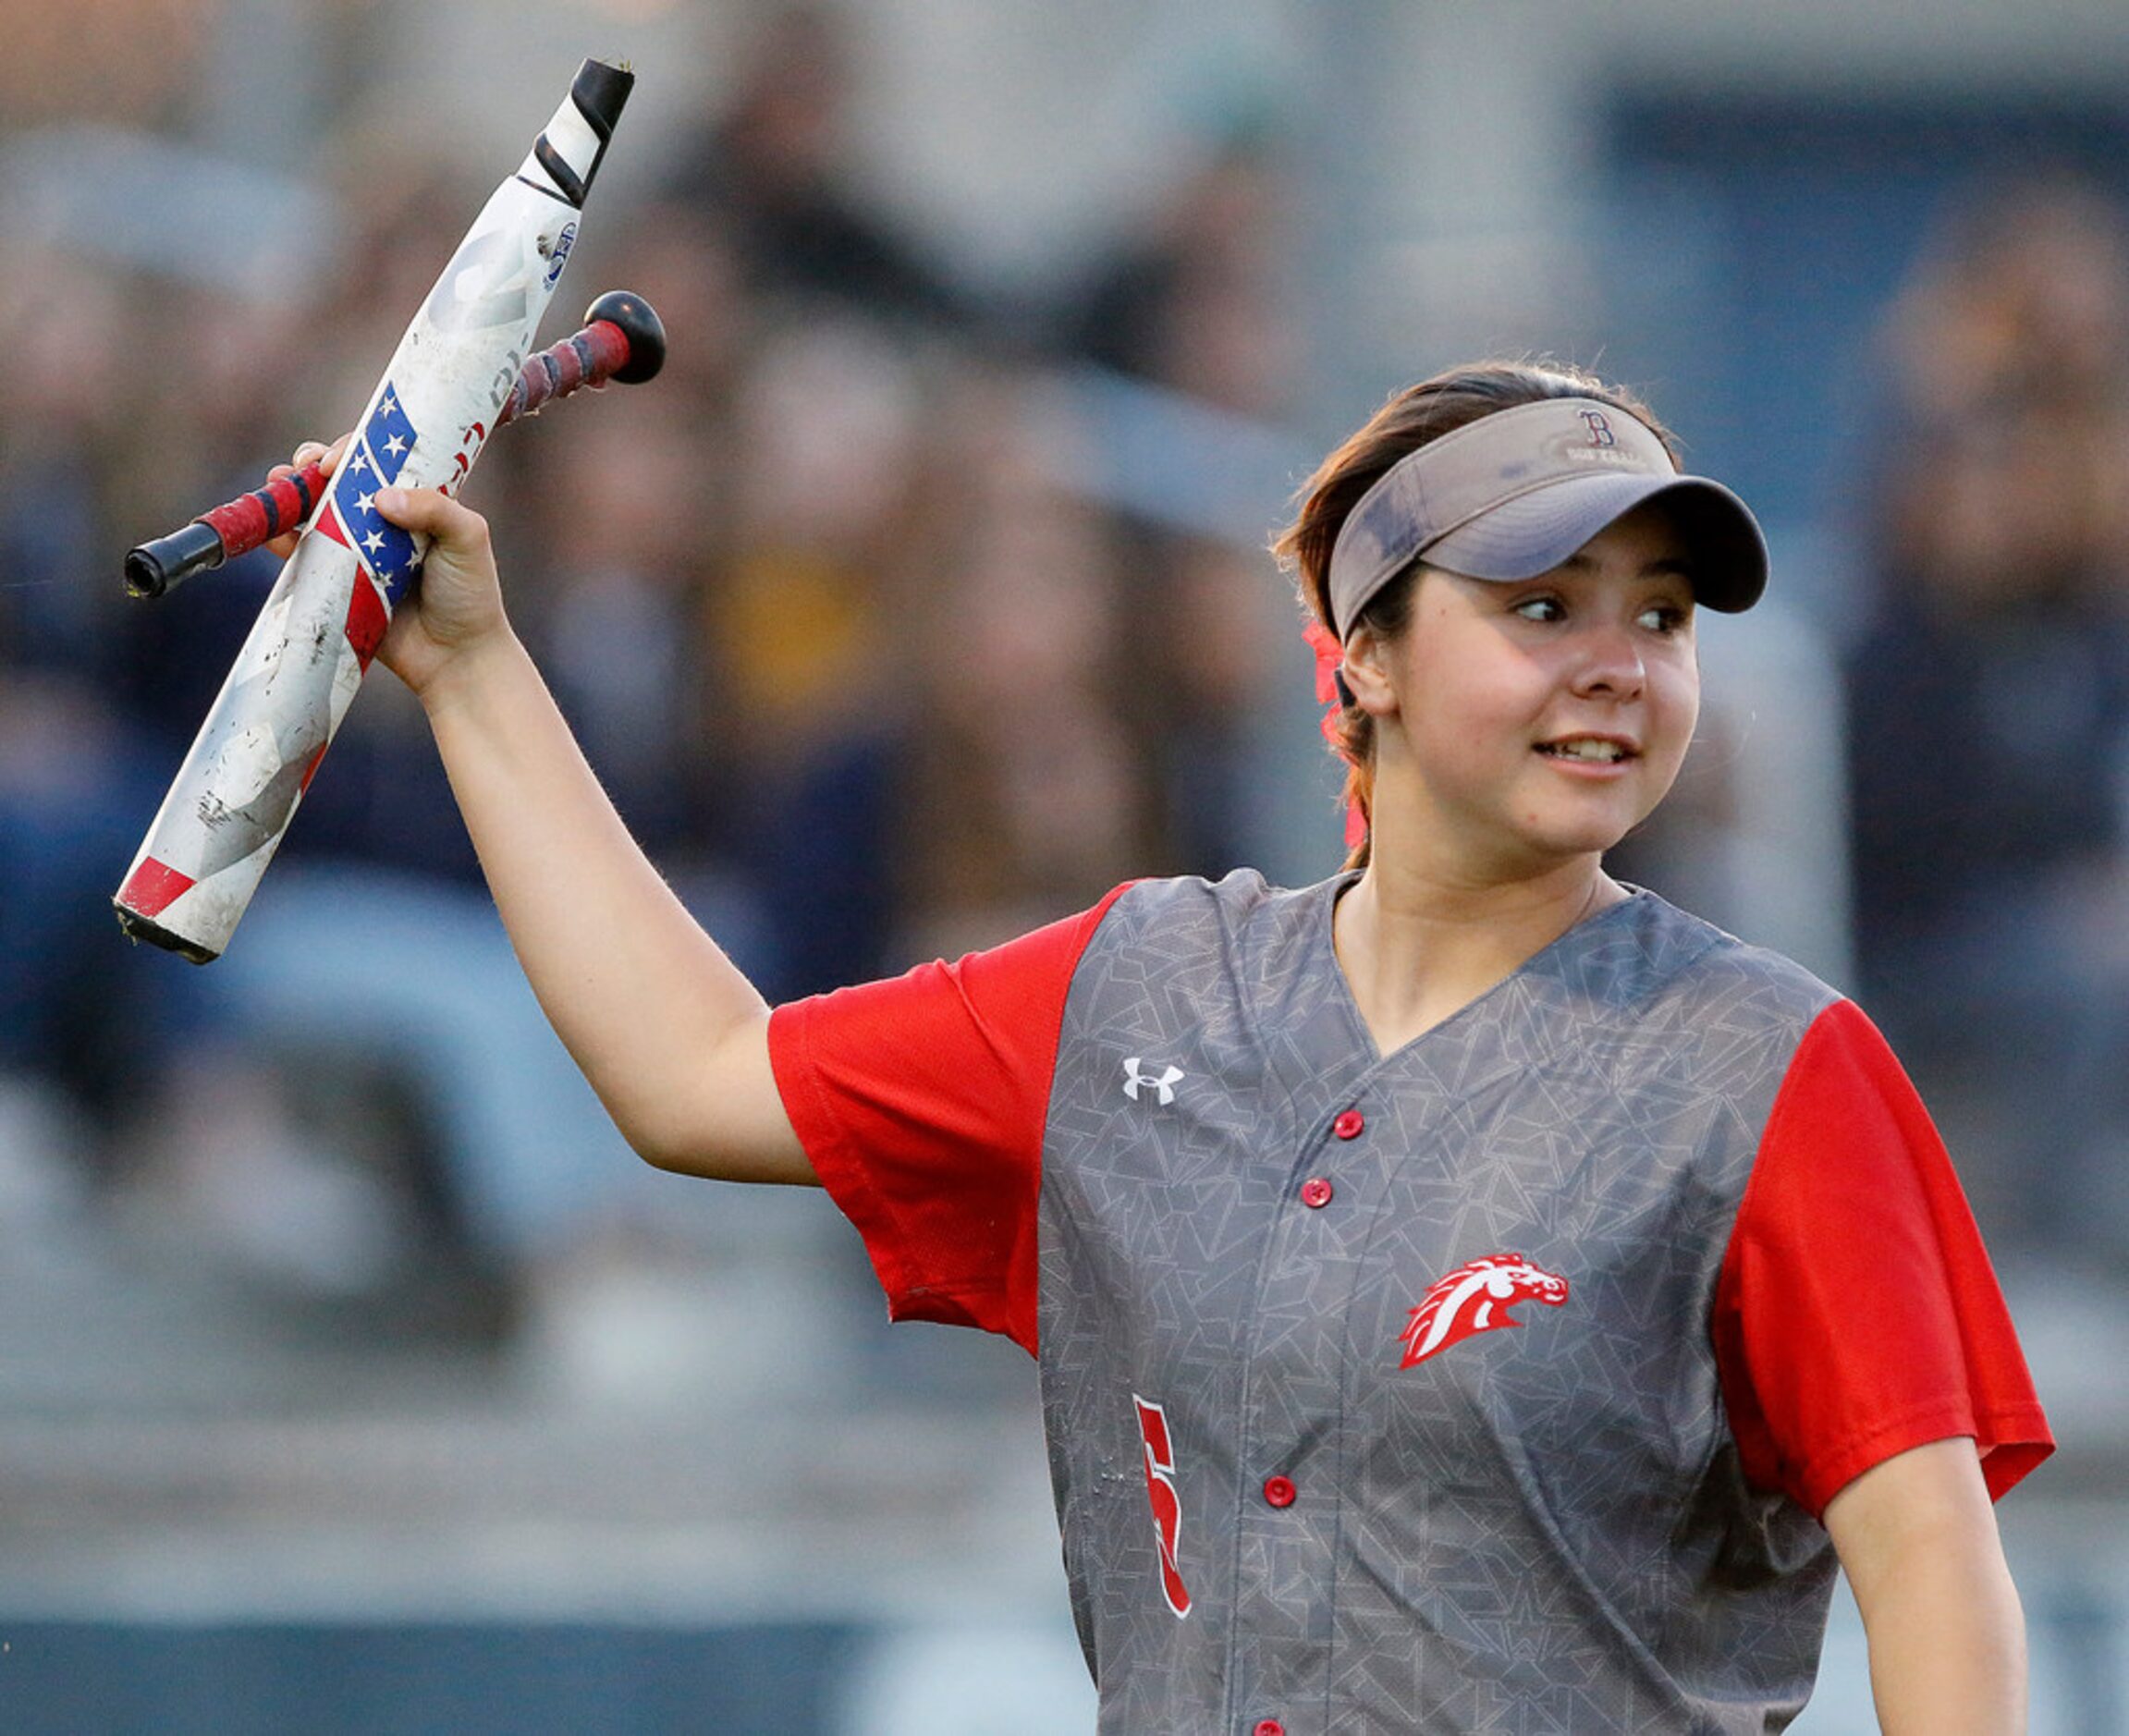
(1410, 420)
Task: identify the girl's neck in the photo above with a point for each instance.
(1419, 946)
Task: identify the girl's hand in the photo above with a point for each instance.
(458, 605)
(459, 608)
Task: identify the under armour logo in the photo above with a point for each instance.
(1599, 426)
(1162, 1084)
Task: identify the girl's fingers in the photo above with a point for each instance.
(425, 510)
(455, 531)
(314, 452)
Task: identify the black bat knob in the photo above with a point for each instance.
(643, 329)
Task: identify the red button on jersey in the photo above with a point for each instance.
(1269, 1727)
(1315, 1192)
(1348, 1124)
(1279, 1491)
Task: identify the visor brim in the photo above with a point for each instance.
(1535, 531)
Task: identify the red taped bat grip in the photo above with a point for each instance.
(590, 358)
(264, 513)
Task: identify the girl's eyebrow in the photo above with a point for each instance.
(1671, 566)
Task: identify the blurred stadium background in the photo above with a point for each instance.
(351, 1376)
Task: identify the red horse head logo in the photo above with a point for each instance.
(1475, 1298)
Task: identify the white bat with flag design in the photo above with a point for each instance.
(232, 799)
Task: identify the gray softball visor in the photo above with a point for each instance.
(1514, 494)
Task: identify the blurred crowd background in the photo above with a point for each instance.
(921, 600)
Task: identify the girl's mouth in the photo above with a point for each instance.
(1589, 750)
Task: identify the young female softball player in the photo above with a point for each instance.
(1470, 1293)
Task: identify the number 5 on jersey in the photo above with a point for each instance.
(1167, 1504)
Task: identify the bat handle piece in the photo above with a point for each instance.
(623, 340)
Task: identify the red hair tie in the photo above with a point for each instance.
(1329, 659)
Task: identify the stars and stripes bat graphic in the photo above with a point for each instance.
(375, 459)
(441, 395)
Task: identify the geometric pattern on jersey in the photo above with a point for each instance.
(1543, 1529)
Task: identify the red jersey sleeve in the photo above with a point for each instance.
(1857, 1314)
(921, 1102)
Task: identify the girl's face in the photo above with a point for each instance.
(1524, 723)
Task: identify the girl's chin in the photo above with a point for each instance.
(1531, 856)
(1593, 817)
(1559, 846)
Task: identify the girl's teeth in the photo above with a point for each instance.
(1587, 750)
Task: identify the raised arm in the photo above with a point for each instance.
(1917, 1536)
(673, 1038)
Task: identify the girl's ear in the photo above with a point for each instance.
(1364, 672)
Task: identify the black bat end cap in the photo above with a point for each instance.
(600, 92)
(157, 568)
(643, 329)
(145, 576)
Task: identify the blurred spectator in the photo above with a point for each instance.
(799, 622)
(1989, 700)
(1025, 800)
(107, 433)
(1194, 298)
(623, 578)
(1198, 719)
(101, 59)
(773, 173)
(72, 780)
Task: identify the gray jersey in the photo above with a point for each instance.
(1535, 1529)
(1385, 1393)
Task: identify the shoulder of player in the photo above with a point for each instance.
(1241, 908)
(1234, 901)
(1681, 980)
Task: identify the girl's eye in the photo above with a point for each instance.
(1541, 609)
(1664, 618)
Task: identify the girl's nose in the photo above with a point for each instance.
(1610, 663)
